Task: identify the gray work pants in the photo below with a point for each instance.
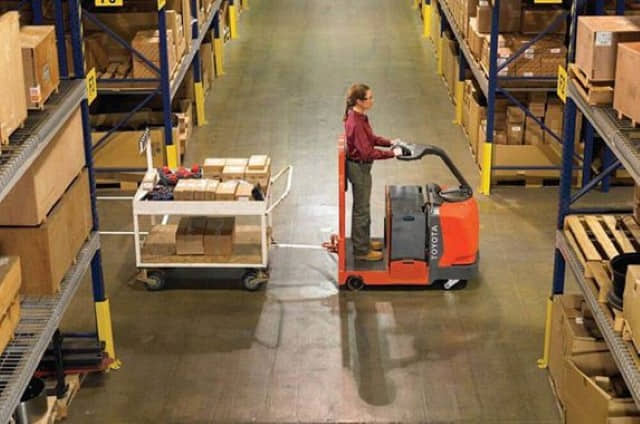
(359, 174)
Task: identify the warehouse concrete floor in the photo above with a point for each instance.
(299, 351)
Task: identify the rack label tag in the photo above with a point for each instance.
(109, 3)
(92, 85)
(562, 83)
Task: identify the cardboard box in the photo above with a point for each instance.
(626, 94)
(257, 162)
(10, 281)
(536, 20)
(259, 176)
(631, 301)
(237, 162)
(161, 241)
(587, 401)
(40, 63)
(554, 119)
(466, 94)
(515, 133)
(13, 107)
(510, 11)
(515, 115)
(219, 236)
(208, 70)
(174, 24)
(226, 190)
(231, 172)
(569, 337)
(47, 178)
(190, 235)
(148, 44)
(213, 167)
(483, 15)
(210, 189)
(533, 133)
(8, 323)
(475, 39)
(183, 190)
(199, 187)
(597, 43)
(243, 191)
(48, 250)
(541, 59)
(477, 113)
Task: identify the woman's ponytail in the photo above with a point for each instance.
(356, 92)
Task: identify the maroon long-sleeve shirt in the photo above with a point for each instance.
(361, 140)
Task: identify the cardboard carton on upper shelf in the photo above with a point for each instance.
(48, 250)
(631, 302)
(597, 43)
(510, 11)
(13, 107)
(148, 44)
(40, 63)
(535, 20)
(38, 190)
(10, 281)
(626, 94)
(554, 119)
(9, 322)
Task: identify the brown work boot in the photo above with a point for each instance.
(372, 256)
(377, 245)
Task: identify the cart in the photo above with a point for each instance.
(251, 252)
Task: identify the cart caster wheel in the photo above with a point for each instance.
(355, 283)
(156, 280)
(251, 281)
(451, 285)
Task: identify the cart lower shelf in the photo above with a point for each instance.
(246, 250)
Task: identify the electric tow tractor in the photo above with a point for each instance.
(430, 235)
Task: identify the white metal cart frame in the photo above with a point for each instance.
(263, 209)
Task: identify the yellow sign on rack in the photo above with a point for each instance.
(562, 83)
(92, 85)
(109, 3)
(161, 4)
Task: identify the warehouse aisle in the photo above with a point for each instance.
(299, 351)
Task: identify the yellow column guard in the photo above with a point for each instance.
(544, 361)
(485, 178)
(218, 54)
(199, 92)
(233, 22)
(105, 331)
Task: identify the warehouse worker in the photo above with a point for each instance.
(361, 152)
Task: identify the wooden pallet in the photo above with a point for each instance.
(593, 92)
(528, 181)
(599, 238)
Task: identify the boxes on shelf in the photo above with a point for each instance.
(219, 236)
(174, 24)
(190, 235)
(483, 15)
(537, 103)
(9, 322)
(475, 39)
(535, 20)
(121, 149)
(636, 202)
(147, 42)
(48, 250)
(510, 11)
(631, 300)
(595, 391)
(572, 333)
(554, 119)
(597, 43)
(37, 191)
(10, 281)
(515, 125)
(477, 113)
(184, 8)
(13, 107)
(533, 133)
(626, 94)
(541, 59)
(208, 69)
(40, 63)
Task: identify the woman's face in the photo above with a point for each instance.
(367, 103)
